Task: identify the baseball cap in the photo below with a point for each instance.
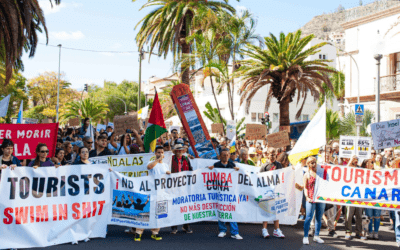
(79, 144)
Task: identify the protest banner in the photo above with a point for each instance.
(100, 127)
(124, 122)
(255, 131)
(217, 128)
(74, 122)
(27, 136)
(230, 129)
(131, 165)
(49, 206)
(278, 140)
(202, 195)
(386, 134)
(192, 122)
(358, 187)
(353, 145)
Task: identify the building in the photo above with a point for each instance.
(203, 94)
(368, 33)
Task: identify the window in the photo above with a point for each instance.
(324, 57)
(275, 118)
(305, 117)
(253, 117)
(397, 62)
(260, 116)
(320, 56)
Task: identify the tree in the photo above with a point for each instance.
(18, 31)
(166, 102)
(43, 91)
(284, 67)
(338, 84)
(348, 123)
(168, 26)
(340, 8)
(90, 108)
(332, 125)
(361, 3)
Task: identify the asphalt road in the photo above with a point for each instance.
(205, 237)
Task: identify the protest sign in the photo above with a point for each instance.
(124, 122)
(74, 122)
(255, 131)
(386, 134)
(48, 206)
(47, 120)
(217, 128)
(100, 127)
(27, 136)
(131, 165)
(353, 145)
(358, 187)
(278, 140)
(158, 201)
(30, 121)
(192, 122)
(111, 124)
(230, 129)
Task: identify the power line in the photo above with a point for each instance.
(88, 50)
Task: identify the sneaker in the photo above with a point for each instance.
(318, 240)
(174, 231)
(237, 236)
(376, 236)
(333, 234)
(305, 241)
(130, 230)
(370, 235)
(138, 237)
(187, 229)
(301, 217)
(222, 234)
(361, 237)
(156, 237)
(347, 237)
(278, 233)
(265, 233)
(311, 233)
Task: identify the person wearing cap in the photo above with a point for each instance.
(180, 163)
(226, 164)
(75, 149)
(270, 166)
(253, 155)
(244, 157)
(166, 147)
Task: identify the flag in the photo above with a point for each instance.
(142, 114)
(4, 106)
(313, 137)
(233, 145)
(20, 113)
(155, 126)
(90, 133)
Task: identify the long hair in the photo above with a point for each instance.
(37, 160)
(123, 138)
(6, 143)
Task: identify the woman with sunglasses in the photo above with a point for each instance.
(84, 157)
(41, 159)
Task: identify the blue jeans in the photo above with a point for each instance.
(233, 225)
(319, 209)
(375, 216)
(397, 227)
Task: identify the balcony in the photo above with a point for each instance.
(389, 83)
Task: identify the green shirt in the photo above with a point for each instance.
(249, 162)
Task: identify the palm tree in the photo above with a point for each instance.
(348, 123)
(338, 84)
(332, 125)
(168, 26)
(89, 107)
(284, 67)
(20, 22)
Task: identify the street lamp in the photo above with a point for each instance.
(141, 57)
(58, 84)
(125, 113)
(378, 58)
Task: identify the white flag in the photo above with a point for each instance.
(142, 114)
(90, 133)
(4, 106)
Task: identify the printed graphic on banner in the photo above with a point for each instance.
(48, 206)
(358, 187)
(347, 146)
(202, 195)
(386, 134)
(129, 205)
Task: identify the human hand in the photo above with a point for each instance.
(134, 132)
(211, 167)
(13, 166)
(3, 166)
(298, 187)
(35, 167)
(236, 168)
(168, 172)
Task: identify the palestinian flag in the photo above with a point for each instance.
(155, 126)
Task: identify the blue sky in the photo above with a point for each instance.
(108, 25)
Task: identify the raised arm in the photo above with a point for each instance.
(112, 142)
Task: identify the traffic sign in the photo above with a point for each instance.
(359, 108)
(359, 120)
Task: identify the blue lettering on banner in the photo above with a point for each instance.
(371, 193)
(356, 192)
(343, 189)
(383, 194)
(396, 194)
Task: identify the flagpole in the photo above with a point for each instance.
(58, 84)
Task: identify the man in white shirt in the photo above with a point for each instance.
(156, 167)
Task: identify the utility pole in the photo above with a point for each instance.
(58, 84)
(141, 56)
(378, 58)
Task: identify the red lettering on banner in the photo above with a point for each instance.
(345, 174)
(9, 218)
(326, 168)
(377, 179)
(367, 178)
(54, 212)
(77, 213)
(338, 170)
(359, 174)
(94, 208)
(86, 210)
(42, 213)
(101, 203)
(391, 177)
(63, 212)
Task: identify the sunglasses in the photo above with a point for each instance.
(45, 151)
(373, 153)
(89, 142)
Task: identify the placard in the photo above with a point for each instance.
(284, 128)
(386, 134)
(353, 145)
(217, 128)
(124, 122)
(111, 124)
(255, 131)
(100, 127)
(278, 140)
(30, 121)
(47, 120)
(74, 122)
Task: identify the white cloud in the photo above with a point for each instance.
(63, 35)
(47, 9)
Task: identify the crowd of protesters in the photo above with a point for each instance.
(74, 147)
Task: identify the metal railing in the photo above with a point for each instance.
(389, 83)
(366, 10)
